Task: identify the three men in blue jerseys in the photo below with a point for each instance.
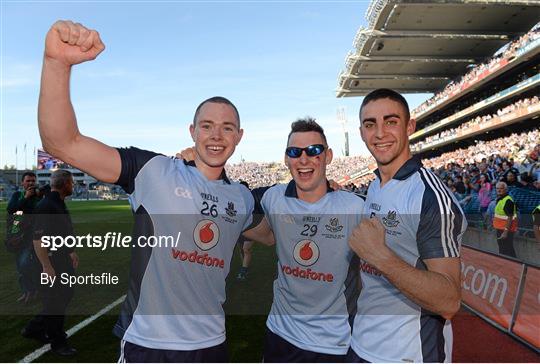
(406, 233)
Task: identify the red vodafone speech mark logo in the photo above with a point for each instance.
(306, 252)
(206, 234)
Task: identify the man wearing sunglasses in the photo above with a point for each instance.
(310, 222)
(173, 310)
(409, 247)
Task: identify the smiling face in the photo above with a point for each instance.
(309, 173)
(385, 129)
(216, 134)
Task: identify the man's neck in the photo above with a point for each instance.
(314, 195)
(388, 171)
(60, 192)
(212, 173)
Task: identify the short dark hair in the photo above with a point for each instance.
(304, 125)
(31, 174)
(216, 100)
(386, 93)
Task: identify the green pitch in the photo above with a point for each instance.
(247, 302)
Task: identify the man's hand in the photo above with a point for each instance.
(74, 260)
(504, 235)
(30, 192)
(71, 43)
(334, 185)
(187, 154)
(368, 241)
(49, 270)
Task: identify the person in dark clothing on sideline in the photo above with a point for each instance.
(52, 219)
(24, 202)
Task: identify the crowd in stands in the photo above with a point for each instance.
(342, 166)
(458, 85)
(258, 174)
(471, 174)
(523, 103)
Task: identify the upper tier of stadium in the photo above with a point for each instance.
(406, 46)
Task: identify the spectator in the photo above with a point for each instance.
(511, 180)
(52, 219)
(484, 196)
(24, 203)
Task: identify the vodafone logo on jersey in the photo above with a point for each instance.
(306, 252)
(206, 234)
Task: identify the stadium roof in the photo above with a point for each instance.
(420, 45)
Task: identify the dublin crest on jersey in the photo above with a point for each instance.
(230, 209)
(334, 226)
(391, 221)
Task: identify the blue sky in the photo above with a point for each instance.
(276, 61)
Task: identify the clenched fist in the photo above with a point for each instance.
(368, 241)
(71, 43)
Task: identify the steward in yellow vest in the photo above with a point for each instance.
(505, 220)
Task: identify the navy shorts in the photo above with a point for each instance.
(279, 350)
(352, 357)
(132, 353)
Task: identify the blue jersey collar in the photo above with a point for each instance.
(406, 170)
(290, 191)
(223, 175)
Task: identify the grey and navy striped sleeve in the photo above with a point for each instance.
(132, 159)
(441, 220)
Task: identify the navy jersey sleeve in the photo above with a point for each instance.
(133, 159)
(441, 224)
(258, 211)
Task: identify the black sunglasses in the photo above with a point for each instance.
(311, 151)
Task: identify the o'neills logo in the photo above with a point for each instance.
(307, 274)
(306, 252)
(206, 234)
(195, 257)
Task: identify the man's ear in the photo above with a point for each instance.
(329, 156)
(192, 132)
(361, 134)
(411, 126)
(240, 135)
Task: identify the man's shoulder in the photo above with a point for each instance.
(47, 204)
(348, 196)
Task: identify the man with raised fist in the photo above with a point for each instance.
(173, 310)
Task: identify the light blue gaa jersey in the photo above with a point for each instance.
(310, 307)
(175, 294)
(422, 221)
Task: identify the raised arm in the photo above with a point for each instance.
(67, 44)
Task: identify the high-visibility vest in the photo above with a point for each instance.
(500, 218)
